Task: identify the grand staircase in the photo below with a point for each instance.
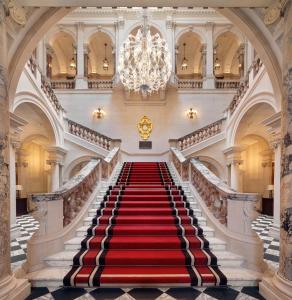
(145, 228)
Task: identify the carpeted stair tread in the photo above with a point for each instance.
(145, 232)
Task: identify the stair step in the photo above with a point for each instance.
(75, 244)
(65, 258)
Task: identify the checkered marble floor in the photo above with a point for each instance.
(271, 245)
(245, 293)
(29, 225)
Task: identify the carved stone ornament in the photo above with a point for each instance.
(145, 128)
(17, 12)
(272, 13)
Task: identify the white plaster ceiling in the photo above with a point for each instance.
(38, 129)
(250, 125)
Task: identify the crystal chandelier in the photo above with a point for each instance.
(144, 61)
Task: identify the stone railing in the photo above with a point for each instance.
(63, 84)
(230, 213)
(180, 162)
(245, 84)
(214, 192)
(48, 90)
(227, 84)
(199, 135)
(73, 195)
(100, 84)
(189, 83)
(91, 135)
(109, 163)
(44, 84)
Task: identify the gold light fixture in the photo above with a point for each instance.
(192, 114)
(184, 64)
(72, 63)
(217, 64)
(105, 61)
(99, 113)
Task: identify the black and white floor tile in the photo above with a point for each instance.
(245, 293)
(271, 245)
(29, 225)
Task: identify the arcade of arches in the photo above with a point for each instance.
(222, 125)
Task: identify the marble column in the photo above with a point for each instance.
(267, 161)
(81, 82)
(15, 128)
(209, 80)
(279, 287)
(233, 159)
(55, 161)
(275, 228)
(10, 287)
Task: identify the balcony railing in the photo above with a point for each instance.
(244, 86)
(63, 84)
(199, 135)
(100, 84)
(91, 135)
(189, 83)
(227, 84)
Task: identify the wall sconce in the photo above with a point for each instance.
(192, 114)
(99, 113)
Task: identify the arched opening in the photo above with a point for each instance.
(189, 62)
(256, 156)
(100, 60)
(228, 56)
(61, 57)
(32, 168)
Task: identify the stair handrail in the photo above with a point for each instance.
(109, 162)
(199, 135)
(91, 135)
(74, 193)
(253, 70)
(228, 212)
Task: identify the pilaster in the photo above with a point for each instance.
(80, 76)
(209, 80)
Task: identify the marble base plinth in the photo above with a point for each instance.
(14, 289)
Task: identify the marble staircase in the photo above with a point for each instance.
(57, 265)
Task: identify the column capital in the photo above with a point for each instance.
(209, 25)
(56, 155)
(16, 124)
(233, 155)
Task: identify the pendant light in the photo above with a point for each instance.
(105, 61)
(184, 64)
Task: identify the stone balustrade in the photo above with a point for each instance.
(227, 84)
(109, 163)
(199, 135)
(63, 84)
(44, 84)
(245, 84)
(100, 84)
(189, 84)
(73, 195)
(91, 135)
(219, 198)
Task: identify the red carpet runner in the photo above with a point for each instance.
(144, 233)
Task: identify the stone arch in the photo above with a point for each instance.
(52, 34)
(195, 30)
(74, 163)
(26, 97)
(260, 98)
(216, 167)
(138, 24)
(231, 29)
(90, 33)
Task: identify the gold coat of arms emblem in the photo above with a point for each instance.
(145, 127)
